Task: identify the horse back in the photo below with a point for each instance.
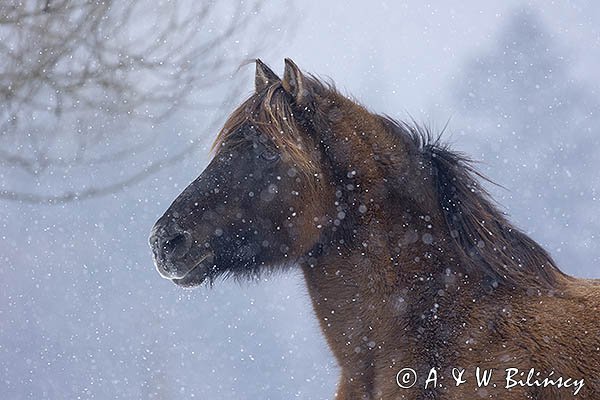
(554, 332)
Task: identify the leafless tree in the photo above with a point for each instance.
(74, 72)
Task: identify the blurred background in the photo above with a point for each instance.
(108, 110)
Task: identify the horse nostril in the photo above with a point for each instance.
(171, 244)
(177, 246)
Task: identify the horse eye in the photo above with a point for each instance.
(269, 155)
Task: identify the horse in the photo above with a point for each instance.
(422, 287)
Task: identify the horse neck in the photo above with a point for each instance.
(393, 220)
(374, 289)
(390, 245)
(387, 249)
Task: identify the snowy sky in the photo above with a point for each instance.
(84, 313)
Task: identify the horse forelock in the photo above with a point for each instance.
(272, 114)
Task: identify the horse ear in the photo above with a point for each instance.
(264, 76)
(293, 81)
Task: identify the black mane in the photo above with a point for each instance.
(487, 243)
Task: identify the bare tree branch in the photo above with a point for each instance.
(73, 73)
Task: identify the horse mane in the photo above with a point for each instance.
(487, 243)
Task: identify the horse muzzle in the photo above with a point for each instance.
(170, 245)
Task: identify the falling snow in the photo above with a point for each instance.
(83, 313)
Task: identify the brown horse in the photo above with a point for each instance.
(423, 289)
